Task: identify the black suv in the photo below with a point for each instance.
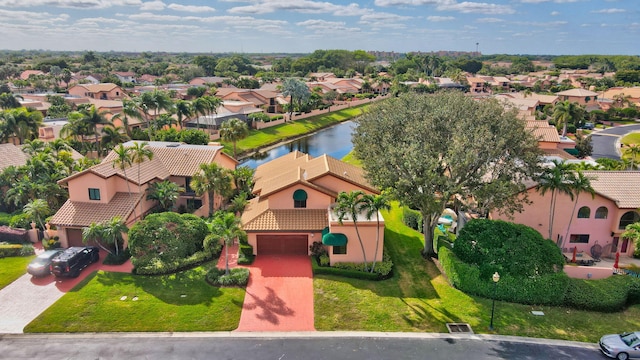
(70, 262)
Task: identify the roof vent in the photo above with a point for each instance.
(344, 173)
(173, 145)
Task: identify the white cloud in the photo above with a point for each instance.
(410, 2)
(155, 5)
(79, 4)
(554, 13)
(609, 11)
(29, 17)
(440, 18)
(478, 8)
(489, 20)
(190, 8)
(543, 1)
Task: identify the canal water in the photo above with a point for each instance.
(334, 141)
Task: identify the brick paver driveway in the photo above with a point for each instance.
(279, 295)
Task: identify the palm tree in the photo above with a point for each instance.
(581, 183)
(165, 193)
(243, 180)
(37, 210)
(10, 101)
(112, 135)
(33, 147)
(558, 178)
(92, 117)
(23, 123)
(633, 150)
(351, 205)
(129, 110)
(210, 179)
(226, 226)
(298, 92)
(200, 107)
(139, 154)
(110, 232)
(122, 161)
(184, 111)
(75, 127)
(233, 130)
(373, 204)
(565, 112)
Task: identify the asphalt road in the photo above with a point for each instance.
(283, 346)
(605, 142)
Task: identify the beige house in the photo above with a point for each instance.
(106, 91)
(293, 209)
(102, 192)
(262, 99)
(580, 96)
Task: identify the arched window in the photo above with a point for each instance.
(299, 199)
(584, 212)
(628, 218)
(602, 212)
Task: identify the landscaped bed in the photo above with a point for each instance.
(108, 302)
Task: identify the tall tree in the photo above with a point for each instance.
(23, 123)
(633, 150)
(558, 179)
(37, 210)
(351, 205)
(566, 112)
(10, 101)
(373, 204)
(297, 91)
(122, 161)
(93, 118)
(184, 111)
(211, 179)
(426, 149)
(139, 154)
(106, 234)
(226, 226)
(233, 130)
(581, 183)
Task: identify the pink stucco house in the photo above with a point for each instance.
(292, 209)
(105, 91)
(597, 220)
(102, 192)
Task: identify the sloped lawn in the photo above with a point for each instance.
(11, 268)
(179, 302)
(418, 298)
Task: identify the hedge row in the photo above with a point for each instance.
(158, 267)
(605, 295)
(236, 277)
(13, 250)
(355, 274)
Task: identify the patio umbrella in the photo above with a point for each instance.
(575, 251)
(615, 263)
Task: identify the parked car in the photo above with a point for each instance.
(70, 262)
(621, 346)
(588, 126)
(40, 266)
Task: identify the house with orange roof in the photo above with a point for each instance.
(597, 221)
(616, 93)
(102, 192)
(104, 91)
(293, 208)
(125, 76)
(477, 85)
(25, 75)
(580, 96)
(262, 99)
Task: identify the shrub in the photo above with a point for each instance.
(157, 267)
(317, 249)
(121, 258)
(167, 241)
(328, 270)
(21, 221)
(5, 219)
(52, 243)
(545, 289)
(324, 260)
(508, 248)
(213, 244)
(13, 250)
(245, 254)
(383, 268)
(194, 137)
(412, 219)
(607, 295)
(236, 277)
(13, 235)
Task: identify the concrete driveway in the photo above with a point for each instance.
(27, 297)
(606, 143)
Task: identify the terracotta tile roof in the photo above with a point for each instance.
(169, 159)
(576, 92)
(542, 131)
(633, 92)
(11, 155)
(558, 153)
(258, 217)
(82, 214)
(623, 187)
(297, 167)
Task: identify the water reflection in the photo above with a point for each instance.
(334, 141)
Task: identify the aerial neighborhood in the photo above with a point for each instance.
(192, 185)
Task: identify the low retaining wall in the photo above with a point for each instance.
(588, 272)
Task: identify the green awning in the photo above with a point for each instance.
(325, 231)
(299, 195)
(334, 239)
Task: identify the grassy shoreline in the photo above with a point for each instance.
(268, 137)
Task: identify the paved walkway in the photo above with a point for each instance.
(279, 295)
(27, 297)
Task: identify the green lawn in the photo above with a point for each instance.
(275, 134)
(12, 268)
(179, 302)
(418, 298)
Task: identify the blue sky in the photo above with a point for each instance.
(264, 26)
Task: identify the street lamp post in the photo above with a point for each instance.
(496, 278)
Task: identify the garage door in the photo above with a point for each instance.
(282, 245)
(74, 237)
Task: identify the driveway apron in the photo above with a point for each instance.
(279, 295)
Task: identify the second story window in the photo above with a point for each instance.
(299, 199)
(94, 194)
